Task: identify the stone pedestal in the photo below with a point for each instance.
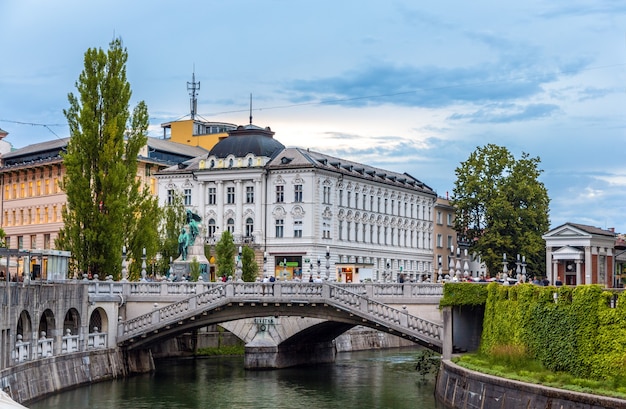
(182, 268)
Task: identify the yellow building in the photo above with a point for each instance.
(194, 132)
(32, 201)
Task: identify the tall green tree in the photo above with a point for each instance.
(225, 252)
(105, 201)
(172, 223)
(249, 267)
(502, 207)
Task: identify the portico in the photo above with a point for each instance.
(580, 254)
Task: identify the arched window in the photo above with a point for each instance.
(230, 162)
(211, 229)
(230, 225)
(249, 226)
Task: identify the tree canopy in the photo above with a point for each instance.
(502, 207)
(106, 205)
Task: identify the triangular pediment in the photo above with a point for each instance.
(568, 253)
(566, 231)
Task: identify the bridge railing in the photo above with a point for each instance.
(166, 288)
(353, 297)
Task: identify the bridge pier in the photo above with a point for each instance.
(266, 355)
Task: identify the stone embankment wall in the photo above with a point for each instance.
(459, 388)
(34, 380)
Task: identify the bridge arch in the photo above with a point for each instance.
(25, 325)
(98, 321)
(47, 323)
(71, 321)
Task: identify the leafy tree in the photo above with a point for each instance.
(194, 269)
(502, 207)
(172, 223)
(106, 205)
(249, 266)
(225, 255)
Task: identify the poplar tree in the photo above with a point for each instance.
(105, 200)
(502, 208)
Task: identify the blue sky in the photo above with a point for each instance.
(403, 85)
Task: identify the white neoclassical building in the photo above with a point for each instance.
(306, 213)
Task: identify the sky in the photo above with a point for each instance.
(403, 85)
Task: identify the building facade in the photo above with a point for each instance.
(306, 213)
(580, 254)
(32, 199)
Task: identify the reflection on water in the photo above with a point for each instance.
(367, 379)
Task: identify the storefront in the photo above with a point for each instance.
(354, 272)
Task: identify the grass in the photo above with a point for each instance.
(512, 363)
(221, 350)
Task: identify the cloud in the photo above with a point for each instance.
(431, 86)
(508, 113)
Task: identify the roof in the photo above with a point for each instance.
(248, 139)
(175, 147)
(592, 229)
(303, 158)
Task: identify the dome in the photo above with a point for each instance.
(245, 140)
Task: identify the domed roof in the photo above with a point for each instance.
(247, 139)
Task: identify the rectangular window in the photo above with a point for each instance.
(212, 199)
(33, 241)
(326, 199)
(249, 194)
(439, 240)
(230, 195)
(170, 197)
(20, 242)
(187, 197)
(449, 219)
(46, 241)
(439, 217)
(297, 228)
(297, 193)
(449, 242)
(280, 225)
(280, 194)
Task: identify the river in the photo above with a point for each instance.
(364, 379)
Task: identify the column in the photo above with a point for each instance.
(258, 212)
(588, 265)
(239, 213)
(220, 205)
(549, 261)
(579, 276)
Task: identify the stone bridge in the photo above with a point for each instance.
(319, 313)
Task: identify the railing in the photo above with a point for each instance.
(352, 297)
(69, 342)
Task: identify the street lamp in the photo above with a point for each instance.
(505, 269)
(327, 262)
(239, 272)
(319, 266)
(124, 265)
(143, 265)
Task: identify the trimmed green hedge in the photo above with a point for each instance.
(579, 333)
(463, 294)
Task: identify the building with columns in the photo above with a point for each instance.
(306, 213)
(581, 254)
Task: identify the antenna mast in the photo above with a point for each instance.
(250, 108)
(193, 86)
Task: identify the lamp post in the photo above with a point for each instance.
(319, 266)
(143, 265)
(387, 270)
(327, 262)
(124, 265)
(505, 269)
(238, 271)
(265, 264)
(439, 270)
